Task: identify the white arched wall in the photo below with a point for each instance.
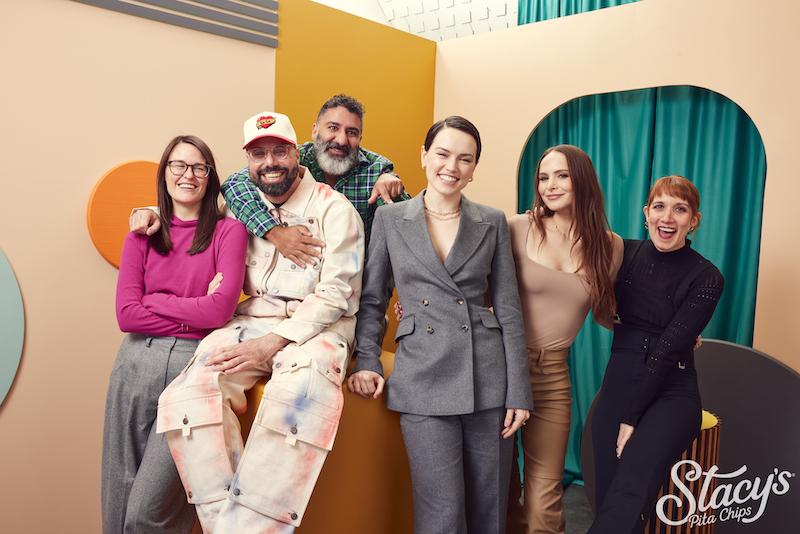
(507, 82)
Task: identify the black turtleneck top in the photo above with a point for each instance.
(669, 297)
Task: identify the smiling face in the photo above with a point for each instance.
(186, 189)
(555, 183)
(274, 174)
(669, 220)
(450, 161)
(337, 135)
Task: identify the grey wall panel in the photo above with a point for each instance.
(214, 15)
(234, 7)
(204, 19)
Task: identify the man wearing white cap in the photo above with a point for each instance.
(297, 324)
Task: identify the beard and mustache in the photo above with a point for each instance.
(334, 165)
(277, 189)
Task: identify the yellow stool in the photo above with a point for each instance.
(365, 485)
(705, 451)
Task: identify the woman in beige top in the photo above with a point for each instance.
(566, 259)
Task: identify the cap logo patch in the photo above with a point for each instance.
(265, 122)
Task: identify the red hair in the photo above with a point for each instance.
(678, 187)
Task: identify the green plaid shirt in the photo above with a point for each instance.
(242, 197)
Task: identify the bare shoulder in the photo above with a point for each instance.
(616, 242)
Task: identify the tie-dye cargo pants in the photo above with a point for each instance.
(265, 485)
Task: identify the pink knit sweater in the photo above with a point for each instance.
(166, 295)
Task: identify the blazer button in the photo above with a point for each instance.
(429, 329)
(293, 267)
(190, 494)
(237, 492)
(425, 302)
(185, 420)
(293, 430)
(464, 327)
(293, 515)
(460, 301)
(252, 262)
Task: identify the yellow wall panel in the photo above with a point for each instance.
(324, 51)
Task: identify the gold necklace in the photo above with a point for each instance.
(444, 216)
(559, 230)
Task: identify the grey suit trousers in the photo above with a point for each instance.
(460, 470)
(141, 492)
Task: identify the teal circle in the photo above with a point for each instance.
(12, 326)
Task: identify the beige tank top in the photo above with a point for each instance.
(554, 303)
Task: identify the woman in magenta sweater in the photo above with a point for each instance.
(174, 287)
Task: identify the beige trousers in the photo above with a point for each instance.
(544, 445)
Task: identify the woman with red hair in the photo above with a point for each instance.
(648, 409)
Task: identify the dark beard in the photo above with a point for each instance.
(278, 189)
(334, 165)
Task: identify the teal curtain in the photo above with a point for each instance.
(538, 10)
(633, 138)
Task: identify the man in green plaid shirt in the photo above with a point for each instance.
(334, 157)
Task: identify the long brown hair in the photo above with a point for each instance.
(590, 225)
(209, 210)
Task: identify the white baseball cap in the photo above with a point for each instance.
(269, 124)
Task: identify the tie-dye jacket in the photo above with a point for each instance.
(320, 297)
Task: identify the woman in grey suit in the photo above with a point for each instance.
(459, 378)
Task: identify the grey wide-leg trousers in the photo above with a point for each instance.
(141, 491)
(460, 471)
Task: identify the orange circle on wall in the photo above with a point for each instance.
(126, 186)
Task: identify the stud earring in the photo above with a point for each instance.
(691, 229)
(645, 225)
(470, 178)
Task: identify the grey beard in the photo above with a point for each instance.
(279, 189)
(333, 165)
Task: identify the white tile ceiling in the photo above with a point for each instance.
(447, 19)
(435, 19)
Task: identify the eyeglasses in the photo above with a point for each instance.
(259, 154)
(178, 167)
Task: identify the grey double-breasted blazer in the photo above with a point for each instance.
(455, 356)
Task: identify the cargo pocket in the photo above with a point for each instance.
(188, 408)
(256, 269)
(286, 447)
(291, 281)
(303, 381)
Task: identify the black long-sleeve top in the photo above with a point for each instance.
(670, 295)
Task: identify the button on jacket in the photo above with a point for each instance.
(455, 355)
